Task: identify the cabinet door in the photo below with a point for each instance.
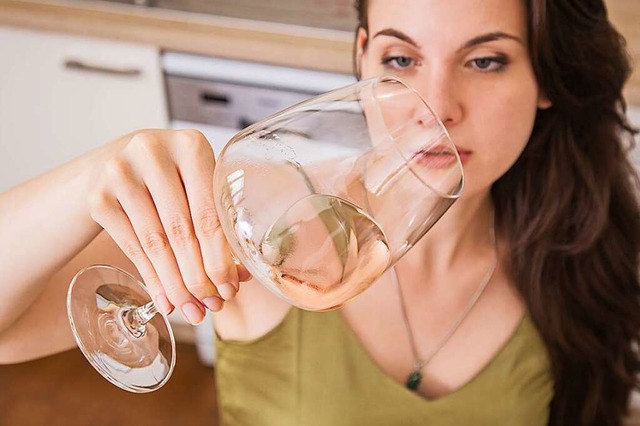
(63, 95)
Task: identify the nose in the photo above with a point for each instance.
(441, 92)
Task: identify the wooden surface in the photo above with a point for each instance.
(331, 14)
(63, 390)
(313, 48)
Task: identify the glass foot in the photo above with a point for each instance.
(133, 355)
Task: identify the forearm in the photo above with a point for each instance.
(44, 223)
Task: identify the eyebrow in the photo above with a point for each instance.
(484, 38)
(397, 34)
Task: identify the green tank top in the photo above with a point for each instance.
(312, 370)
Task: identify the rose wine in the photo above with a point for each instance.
(323, 251)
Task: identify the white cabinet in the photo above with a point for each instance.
(62, 95)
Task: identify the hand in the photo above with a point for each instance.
(154, 196)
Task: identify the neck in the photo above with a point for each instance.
(459, 237)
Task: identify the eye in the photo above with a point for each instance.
(488, 64)
(398, 62)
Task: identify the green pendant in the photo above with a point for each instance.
(414, 379)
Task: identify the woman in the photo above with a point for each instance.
(519, 307)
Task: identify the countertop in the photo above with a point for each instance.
(313, 34)
(278, 43)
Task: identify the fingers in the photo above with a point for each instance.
(107, 212)
(160, 216)
(133, 223)
(216, 253)
(157, 203)
(243, 273)
(157, 247)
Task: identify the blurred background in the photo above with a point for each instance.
(78, 73)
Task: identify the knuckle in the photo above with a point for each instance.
(195, 142)
(174, 290)
(192, 134)
(155, 243)
(200, 288)
(176, 293)
(218, 273)
(179, 230)
(117, 169)
(207, 222)
(142, 139)
(134, 252)
(152, 283)
(147, 145)
(99, 203)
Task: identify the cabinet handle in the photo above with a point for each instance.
(74, 64)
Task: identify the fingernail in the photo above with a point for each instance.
(226, 291)
(163, 305)
(192, 313)
(214, 304)
(243, 274)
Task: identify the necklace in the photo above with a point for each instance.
(415, 377)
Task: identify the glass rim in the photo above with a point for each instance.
(388, 77)
(103, 372)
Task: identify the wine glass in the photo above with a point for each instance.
(320, 199)
(317, 201)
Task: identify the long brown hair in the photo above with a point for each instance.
(569, 211)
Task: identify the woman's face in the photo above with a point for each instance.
(469, 59)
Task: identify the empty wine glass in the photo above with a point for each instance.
(317, 201)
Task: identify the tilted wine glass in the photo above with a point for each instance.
(317, 201)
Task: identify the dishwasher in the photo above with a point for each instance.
(221, 96)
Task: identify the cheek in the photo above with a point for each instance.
(500, 129)
(510, 122)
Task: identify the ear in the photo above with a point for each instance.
(543, 101)
(361, 40)
(360, 50)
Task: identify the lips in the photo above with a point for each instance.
(439, 156)
(464, 154)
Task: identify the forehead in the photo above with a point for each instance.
(448, 23)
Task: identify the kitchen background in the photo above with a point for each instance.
(78, 73)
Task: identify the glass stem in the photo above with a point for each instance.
(135, 319)
(145, 312)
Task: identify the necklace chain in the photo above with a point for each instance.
(415, 377)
